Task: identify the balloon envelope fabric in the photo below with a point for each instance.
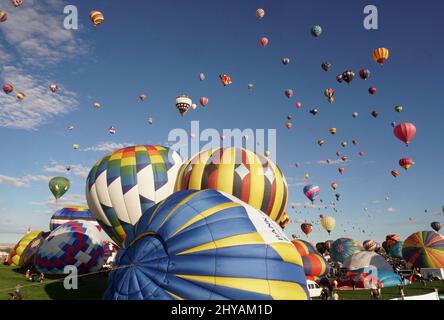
(204, 245)
(16, 257)
(342, 248)
(70, 213)
(314, 264)
(76, 243)
(395, 250)
(250, 177)
(424, 249)
(123, 185)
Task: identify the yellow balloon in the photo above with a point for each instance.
(328, 223)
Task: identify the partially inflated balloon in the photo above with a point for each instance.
(203, 245)
(248, 176)
(17, 256)
(59, 186)
(71, 213)
(123, 185)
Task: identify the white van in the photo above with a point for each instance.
(432, 273)
(314, 289)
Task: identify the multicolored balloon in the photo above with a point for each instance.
(380, 55)
(406, 163)
(316, 31)
(248, 176)
(96, 17)
(66, 214)
(209, 245)
(22, 253)
(370, 245)
(124, 184)
(364, 74)
(311, 192)
(343, 248)
(424, 249)
(7, 88)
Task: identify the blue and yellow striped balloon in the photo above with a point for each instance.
(204, 245)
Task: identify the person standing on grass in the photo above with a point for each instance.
(335, 295)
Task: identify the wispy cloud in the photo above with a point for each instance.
(77, 169)
(295, 205)
(51, 205)
(107, 146)
(391, 210)
(38, 35)
(295, 182)
(330, 162)
(23, 182)
(40, 104)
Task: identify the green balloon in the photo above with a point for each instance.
(59, 186)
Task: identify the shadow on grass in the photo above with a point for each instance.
(89, 288)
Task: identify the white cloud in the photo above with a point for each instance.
(295, 205)
(295, 182)
(40, 103)
(376, 201)
(23, 182)
(329, 162)
(37, 33)
(67, 200)
(77, 169)
(108, 146)
(391, 210)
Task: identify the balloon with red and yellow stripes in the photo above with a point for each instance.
(248, 176)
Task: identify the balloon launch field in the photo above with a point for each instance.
(92, 288)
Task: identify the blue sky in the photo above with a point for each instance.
(160, 47)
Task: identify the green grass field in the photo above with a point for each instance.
(92, 287)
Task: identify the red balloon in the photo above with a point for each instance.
(341, 170)
(405, 132)
(406, 163)
(306, 228)
(372, 90)
(264, 42)
(203, 101)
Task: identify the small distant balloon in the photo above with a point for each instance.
(260, 13)
(316, 31)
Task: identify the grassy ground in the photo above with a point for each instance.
(414, 289)
(90, 287)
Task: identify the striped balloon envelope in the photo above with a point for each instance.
(205, 245)
(370, 245)
(123, 185)
(424, 249)
(342, 248)
(70, 213)
(75, 243)
(250, 177)
(314, 264)
(21, 250)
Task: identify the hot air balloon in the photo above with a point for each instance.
(71, 213)
(284, 221)
(344, 158)
(306, 228)
(355, 114)
(112, 130)
(54, 88)
(311, 192)
(348, 76)
(203, 101)
(225, 79)
(343, 248)
(246, 175)
(142, 97)
(338, 153)
(314, 264)
(7, 88)
(424, 249)
(21, 96)
(289, 93)
(75, 146)
(23, 252)
(215, 250)
(250, 86)
(339, 78)
(306, 176)
(344, 144)
(337, 195)
(96, 17)
(201, 76)
(405, 132)
(260, 13)
(314, 111)
(298, 104)
(341, 170)
(75, 243)
(355, 142)
(17, 3)
(316, 31)
(97, 105)
(150, 120)
(285, 60)
(321, 248)
(360, 153)
(393, 124)
(372, 90)
(124, 184)
(289, 125)
(329, 93)
(395, 173)
(328, 223)
(326, 66)
(398, 109)
(390, 240)
(332, 130)
(364, 74)
(436, 226)
(375, 114)
(369, 245)
(380, 55)
(183, 104)
(3, 16)
(289, 117)
(59, 186)
(406, 163)
(321, 142)
(334, 185)
(264, 41)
